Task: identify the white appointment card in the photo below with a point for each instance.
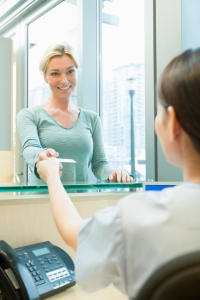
(67, 160)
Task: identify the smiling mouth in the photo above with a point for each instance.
(64, 88)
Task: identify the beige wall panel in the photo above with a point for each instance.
(26, 220)
(6, 166)
(6, 93)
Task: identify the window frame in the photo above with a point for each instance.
(89, 16)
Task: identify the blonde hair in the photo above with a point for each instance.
(57, 50)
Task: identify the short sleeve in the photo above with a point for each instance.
(100, 253)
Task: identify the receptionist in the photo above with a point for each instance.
(124, 244)
(59, 128)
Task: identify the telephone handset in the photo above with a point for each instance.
(34, 272)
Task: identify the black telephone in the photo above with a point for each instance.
(34, 272)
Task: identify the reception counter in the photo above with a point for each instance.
(26, 218)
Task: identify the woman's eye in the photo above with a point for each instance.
(54, 74)
(72, 71)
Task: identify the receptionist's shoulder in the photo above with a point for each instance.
(157, 204)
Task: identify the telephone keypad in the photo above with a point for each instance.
(57, 274)
(54, 270)
(38, 279)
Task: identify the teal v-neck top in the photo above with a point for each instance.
(81, 142)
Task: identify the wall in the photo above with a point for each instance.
(5, 93)
(168, 45)
(163, 31)
(177, 29)
(190, 24)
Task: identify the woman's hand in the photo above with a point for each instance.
(49, 169)
(120, 175)
(46, 154)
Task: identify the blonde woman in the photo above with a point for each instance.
(58, 128)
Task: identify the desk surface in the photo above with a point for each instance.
(75, 293)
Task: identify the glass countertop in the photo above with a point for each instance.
(84, 187)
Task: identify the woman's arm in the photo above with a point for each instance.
(100, 165)
(67, 219)
(27, 129)
(32, 149)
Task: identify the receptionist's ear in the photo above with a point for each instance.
(175, 127)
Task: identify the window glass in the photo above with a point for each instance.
(57, 25)
(123, 104)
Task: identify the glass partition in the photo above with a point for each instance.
(98, 186)
(56, 26)
(123, 95)
(60, 24)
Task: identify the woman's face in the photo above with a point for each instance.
(61, 75)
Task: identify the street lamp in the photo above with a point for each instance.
(131, 89)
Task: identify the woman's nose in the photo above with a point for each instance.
(64, 78)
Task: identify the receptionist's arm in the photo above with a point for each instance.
(67, 219)
(98, 240)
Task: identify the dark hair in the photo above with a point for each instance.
(179, 86)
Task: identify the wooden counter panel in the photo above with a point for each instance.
(26, 220)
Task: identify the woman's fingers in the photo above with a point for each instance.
(120, 175)
(46, 154)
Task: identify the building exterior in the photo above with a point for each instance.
(117, 117)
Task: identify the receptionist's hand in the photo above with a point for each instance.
(49, 169)
(120, 175)
(46, 154)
